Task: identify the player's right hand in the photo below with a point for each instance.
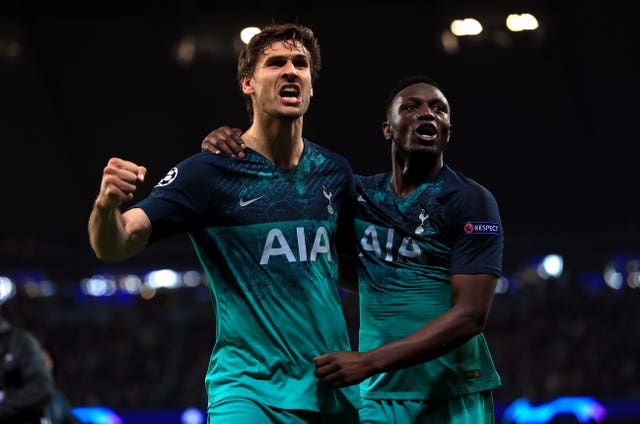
(118, 184)
(225, 140)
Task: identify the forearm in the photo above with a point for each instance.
(112, 237)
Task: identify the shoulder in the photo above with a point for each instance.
(317, 152)
(466, 201)
(193, 169)
(457, 185)
(372, 182)
(204, 159)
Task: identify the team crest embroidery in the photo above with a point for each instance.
(422, 217)
(328, 195)
(169, 178)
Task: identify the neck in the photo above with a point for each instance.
(278, 140)
(408, 174)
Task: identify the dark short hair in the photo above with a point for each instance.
(266, 37)
(406, 82)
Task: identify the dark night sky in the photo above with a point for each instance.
(546, 123)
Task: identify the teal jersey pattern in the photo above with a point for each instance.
(266, 238)
(409, 248)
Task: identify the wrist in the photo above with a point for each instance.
(105, 204)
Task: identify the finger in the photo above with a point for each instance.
(231, 137)
(124, 170)
(117, 163)
(322, 372)
(321, 360)
(224, 145)
(209, 146)
(236, 134)
(333, 380)
(116, 186)
(142, 171)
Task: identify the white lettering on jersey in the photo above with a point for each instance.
(369, 241)
(321, 244)
(302, 247)
(408, 247)
(277, 245)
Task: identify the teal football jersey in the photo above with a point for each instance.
(266, 238)
(409, 247)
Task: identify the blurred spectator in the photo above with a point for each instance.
(26, 385)
(59, 410)
(548, 340)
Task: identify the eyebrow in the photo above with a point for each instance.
(421, 99)
(293, 57)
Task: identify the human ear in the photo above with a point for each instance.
(247, 86)
(386, 130)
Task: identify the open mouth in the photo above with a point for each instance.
(289, 93)
(427, 131)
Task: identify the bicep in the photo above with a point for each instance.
(137, 226)
(473, 293)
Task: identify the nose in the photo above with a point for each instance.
(423, 112)
(289, 71)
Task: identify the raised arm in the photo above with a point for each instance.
(115, 236)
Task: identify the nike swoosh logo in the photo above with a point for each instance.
(244, 203)
(361, 199)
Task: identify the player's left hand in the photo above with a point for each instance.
(225, 140)
(341, 369)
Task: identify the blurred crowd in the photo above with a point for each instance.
(548, 340)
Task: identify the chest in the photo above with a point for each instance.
(258, 195)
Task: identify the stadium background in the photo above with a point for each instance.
(545, 119)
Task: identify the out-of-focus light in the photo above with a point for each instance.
(32, 289)
(7, 288)
(464, 27)
(585, 409)
(521, 22)
(246, 34)
(551, 267)
(612, 277)
(166, 278)
(47, 288)
(147, 291)
(130, 283)
(633, 280)
(191, 278)
(186, 51)
(450, 42)
(96, 415)
(192, 416)
(502, 286)
(98, 285)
